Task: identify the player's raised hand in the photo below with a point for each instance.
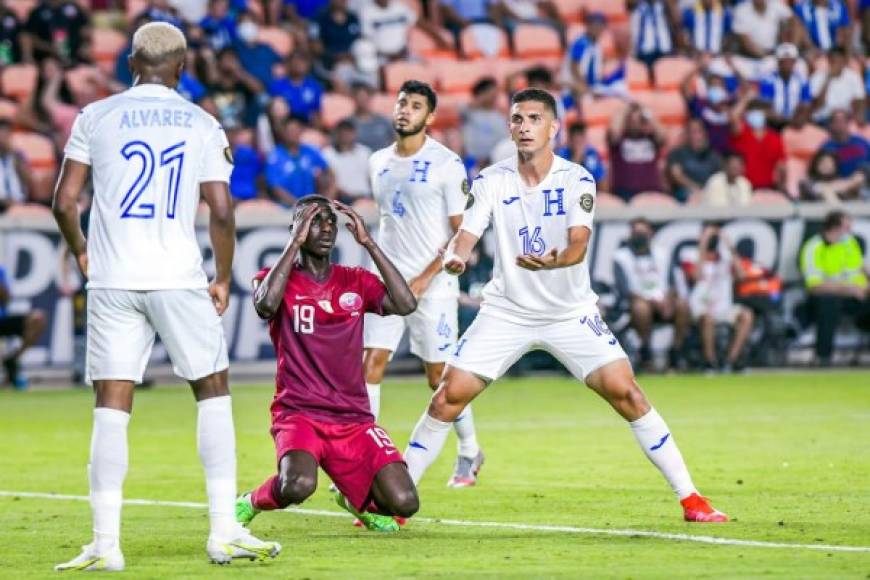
(356, 225)
(534, 263)
(220, 296)
(302, 223)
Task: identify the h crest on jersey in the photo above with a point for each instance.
(554, 198)
(421, 170)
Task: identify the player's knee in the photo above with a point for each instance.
(296, 488)
(641, 308)
(443, 406)
(405, 503)
(634, 401)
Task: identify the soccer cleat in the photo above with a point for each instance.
(373, 522)
(697, 508)
(90, 561)
(466, 470)
(244, 545)
(245, 510)
(14, 376)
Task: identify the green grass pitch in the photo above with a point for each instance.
(786, 455)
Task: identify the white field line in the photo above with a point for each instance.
(497, 525)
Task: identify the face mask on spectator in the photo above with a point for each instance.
(639, 243)
(716, 95)
(248, 31)
(756, 119)
(713, 243)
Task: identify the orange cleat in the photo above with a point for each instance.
(698, 509)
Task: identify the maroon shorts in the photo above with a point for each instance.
(351, 454)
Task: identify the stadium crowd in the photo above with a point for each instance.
(715, 102)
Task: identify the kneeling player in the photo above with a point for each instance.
(320, 413)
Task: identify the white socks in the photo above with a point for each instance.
(106, 473)
(466, 434)
(658, 444)
(374, 399)
(216, 442)
(427, 441)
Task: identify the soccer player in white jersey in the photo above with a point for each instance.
(152, 155)
(420, 187)
(541, 209)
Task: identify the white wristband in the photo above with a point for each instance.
(449, 257)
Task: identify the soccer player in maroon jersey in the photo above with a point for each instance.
(320, 413)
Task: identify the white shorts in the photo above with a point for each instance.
(491, 345)
(433, 329)
(122, 325)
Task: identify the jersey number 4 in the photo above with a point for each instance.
(133, 206)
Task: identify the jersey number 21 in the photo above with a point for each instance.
(132, 205)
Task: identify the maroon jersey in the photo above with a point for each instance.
(318, 338)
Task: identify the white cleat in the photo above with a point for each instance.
(90, 561)
(244, 545)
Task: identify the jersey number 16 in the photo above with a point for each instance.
(132, 206)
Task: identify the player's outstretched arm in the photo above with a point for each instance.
(578, 243)
(73, 176)
(222, 231)
(399, 299)
(458, 252)
(269, 293)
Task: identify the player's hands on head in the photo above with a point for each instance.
(534, 263)
(220, 295)
(302, 223)
(355, 225)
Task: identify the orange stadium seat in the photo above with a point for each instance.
(279, 39)
(604, 199)
(769, 197)
(652, 198)
(421, 45)
(804, 142)
(570, 10)
(257, 206)
(81, 79)
(670, 71)
(460, 76)
(107, 44)
(21, 8)
(470, 47)
(636, 75)
(37, 149)
(384, 103)
(601, 111)
(536, 41)
(18, 81)
(668, 107)
(396, 73)
(613, 9)
(334, 107)
(450, 108)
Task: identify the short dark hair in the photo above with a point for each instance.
(536, 95)
(833, 220)
(640, 221)
(837, 51)
(413, 87)
(539, 75)
(295, 118)
(482, 85)
(576, 128)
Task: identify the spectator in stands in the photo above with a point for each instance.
(641, 272)
(580, 151)
(483, 125)
(246, 178)
(786, 91)
(235, 91)
(706, 27)
(218, 25)
(636, 142)
(123, 74)
(832, 265)
(14, 177)
(514, 12)
(162, 11)
(257, 58)
(271, 123)
(58, 29)
(839, 87)
(189, 85)
(864, 15)
(457, 14)
(349, 161)
(712, 298)
(762, 148)
(713, 109)
(294, 169)
(386, 23)
(14, 44)
(373, 130)
(586, 63)
(852, 151)
(652, 23)
(59, 106)
(729, 187)
(28, 327)
(826, 23)
(334, 32)
(693, 163)
(824, 183)
(299, 88)
(760, 25)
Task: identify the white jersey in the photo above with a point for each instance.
(149, 149)
(533, 221)
(415, 196)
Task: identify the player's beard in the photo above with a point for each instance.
(410, 130)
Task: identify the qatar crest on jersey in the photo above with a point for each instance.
(350, 301)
